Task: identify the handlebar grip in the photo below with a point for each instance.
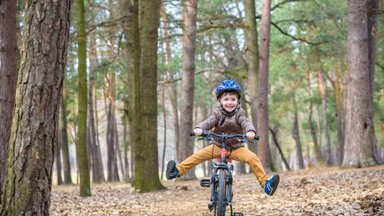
(205, 133)
(257, 137)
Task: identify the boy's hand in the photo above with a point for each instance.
(198, 131)
(251, 135)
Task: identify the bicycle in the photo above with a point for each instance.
(221, 178)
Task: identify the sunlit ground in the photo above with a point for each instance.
(326, 191)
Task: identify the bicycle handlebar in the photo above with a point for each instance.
(210, 134)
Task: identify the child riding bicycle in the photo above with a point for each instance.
(228, 117)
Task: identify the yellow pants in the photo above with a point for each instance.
(212, 151)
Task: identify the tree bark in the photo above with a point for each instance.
(35, 121)
(132, 48)
(96, 131)
(358, 104)
(171, 87)
(296, 137)
(373, 11)
(97, 163)
(137, 117)
(323, 92)
(81, 147)
(127, 144)
(163, 61)
(164, 131)
(147, 172)
(58, 159)
(263, 85)
(64, 137)
(8, 79)
(252, 58)
(112, 169)
(118, 151)
(319, 156)
(274, 138)
(339, 115)
(188, 83)
(113, 174)
(172, 94)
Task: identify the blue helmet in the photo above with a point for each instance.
(226, 86)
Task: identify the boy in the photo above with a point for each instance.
(228, 117)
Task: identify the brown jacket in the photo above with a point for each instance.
(231, 123)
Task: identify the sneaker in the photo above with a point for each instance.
(172, 170)
(271, 185)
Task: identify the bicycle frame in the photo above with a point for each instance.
(221, 174)
(222, 165)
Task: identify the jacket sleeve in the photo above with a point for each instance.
(210, 122)
(246, 125)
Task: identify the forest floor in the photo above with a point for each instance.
(325, 191)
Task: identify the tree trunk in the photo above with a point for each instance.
(171, 87)
(118, 151)
(136, 94)
(96, 127)
(339, 115)
(8, 79)
(113, 174)
(172, 93)
(163, 61)
(373, 11)
(97, 140)
(58, 159)
(164, 131)
(97, 164)
(296, 137)
(319, 156)
(64, 137)
(132, 51)
(147, 171)
(274, 138)
(252, 57)
(252, 147)
(188, 83)
(127, 143)
(81, 147)
(323, 92)
(358, 104)
(34, 129)
(319, 131)
(263, 85)
(338, 90)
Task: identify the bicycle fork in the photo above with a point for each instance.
(214, 183)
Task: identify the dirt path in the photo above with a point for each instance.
(330, 191)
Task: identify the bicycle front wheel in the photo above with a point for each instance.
(221, 194)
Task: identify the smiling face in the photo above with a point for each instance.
(229, 101)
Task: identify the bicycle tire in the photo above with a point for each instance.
(221, 194)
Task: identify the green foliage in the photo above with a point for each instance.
(310, 35)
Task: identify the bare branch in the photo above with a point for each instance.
(296, 38)
(380, 66)
(109, 23)
(283, 3)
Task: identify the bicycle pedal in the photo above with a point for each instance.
(238, 214)
(205, 183)
(210, 206)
